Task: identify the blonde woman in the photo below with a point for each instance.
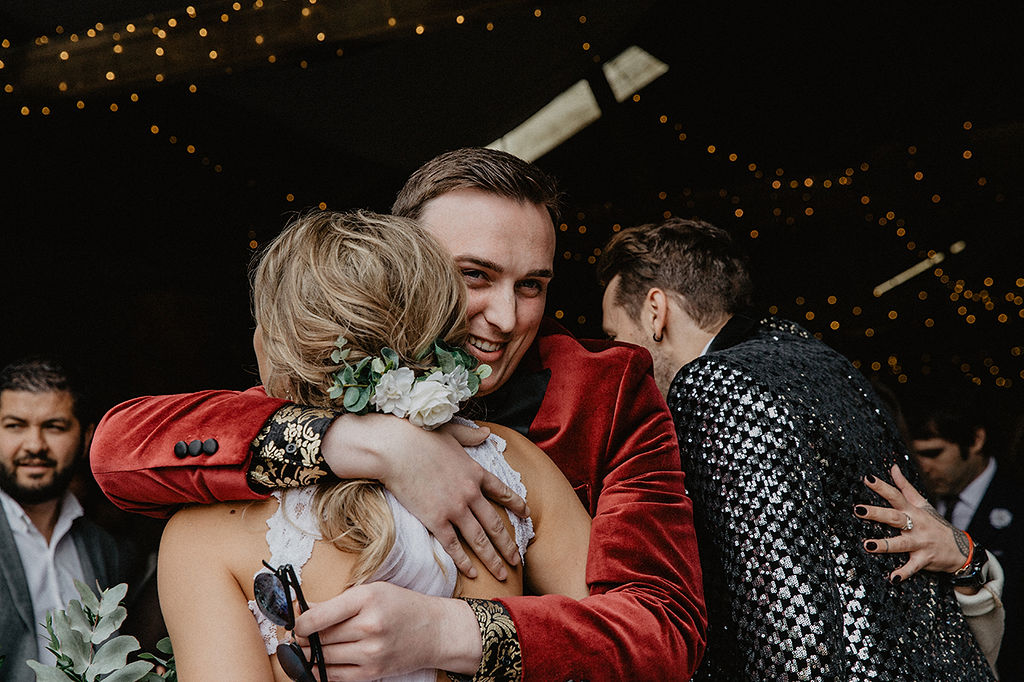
(360, 312)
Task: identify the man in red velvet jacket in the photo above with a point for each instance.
(592, 406)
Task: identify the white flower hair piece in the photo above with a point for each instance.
(381, 384)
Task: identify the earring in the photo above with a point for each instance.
(658, 337)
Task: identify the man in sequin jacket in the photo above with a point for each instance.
(777, 433)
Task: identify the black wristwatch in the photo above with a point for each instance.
(971, 574)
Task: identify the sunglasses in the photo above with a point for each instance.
(274, 597)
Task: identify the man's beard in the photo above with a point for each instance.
(26, 495)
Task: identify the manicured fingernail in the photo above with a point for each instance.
(869, 478)
(871, 545)
(895, 579)
(860, 510)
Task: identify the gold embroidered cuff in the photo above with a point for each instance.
(502, 658)
(286, 451)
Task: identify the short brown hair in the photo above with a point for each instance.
(692, 258)
(480, 168)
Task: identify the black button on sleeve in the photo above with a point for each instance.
(195, 447)
(210, 446)
(180, 449)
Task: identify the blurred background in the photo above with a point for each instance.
(869, 157)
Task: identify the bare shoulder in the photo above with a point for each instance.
(218, 525)
(520, 452)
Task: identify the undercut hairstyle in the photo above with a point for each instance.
(378, 281)
(693, 259)
(39, 374)
(488, 170)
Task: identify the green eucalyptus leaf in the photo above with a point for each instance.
(473, 382)
(110, 598)
(340, 342)
(352, 397)
(361, 371)
(483, 371)
(71, 643)
(445, 360)
(164, 646)
(112, 656)
(78, 619)
(378, 366)
(390, 356)
(335, 392)
(362, 401)
(348, 376)
(109, 624)
(133, 672)
(89, 599)
(45, 673)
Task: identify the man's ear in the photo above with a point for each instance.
(656, 312)
(979, 441)
(87, 437)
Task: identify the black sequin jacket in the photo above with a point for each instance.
(777, 431)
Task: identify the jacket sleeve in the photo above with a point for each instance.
(141, 457)
(770, 584)
(645, 618)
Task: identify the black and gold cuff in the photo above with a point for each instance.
(502, 658)
(286, 451)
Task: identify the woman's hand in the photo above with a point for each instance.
(932, 542)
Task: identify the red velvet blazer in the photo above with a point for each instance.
(603, 422)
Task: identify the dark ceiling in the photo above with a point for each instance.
(126, 234)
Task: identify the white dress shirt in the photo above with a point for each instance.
(970, 497)
(50, 568)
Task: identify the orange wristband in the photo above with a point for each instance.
(970, 554)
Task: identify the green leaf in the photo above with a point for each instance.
(361, 372)
(348, 376)
(78, 619)
(390, 356)
(356, 398)
(164, 646)
(112, 656)
(110, 598)
(109, 624)
(378, 366)
(45, 673)
(483, 371)
(335, 392)
(473, 382)
(364, 399)
(89, 599)
(445, 360)
(72, 644)
(133, 672)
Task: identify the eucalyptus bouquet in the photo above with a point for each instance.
(84, 640)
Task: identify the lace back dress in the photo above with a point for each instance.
(416, 560)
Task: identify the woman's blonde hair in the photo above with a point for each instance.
(377, 280)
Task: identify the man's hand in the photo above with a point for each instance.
(932, 542)
(430, 473)
(377, 630)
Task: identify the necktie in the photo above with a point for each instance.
(951, 502)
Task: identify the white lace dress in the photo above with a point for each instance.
(416, 560)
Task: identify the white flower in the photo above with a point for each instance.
(458, 382)
(431, 403)
(394, 392)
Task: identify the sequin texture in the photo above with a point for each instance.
(776, 435)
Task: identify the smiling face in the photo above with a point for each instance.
(40, 441)
(505, 250)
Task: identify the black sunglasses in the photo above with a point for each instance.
(274, 597)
